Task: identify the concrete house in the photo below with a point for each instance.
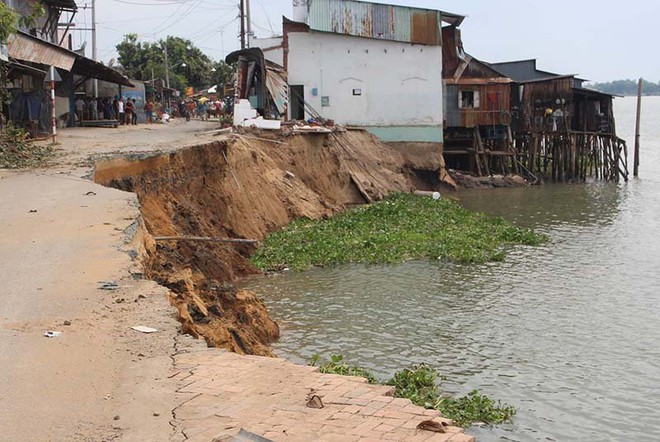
(370, 65)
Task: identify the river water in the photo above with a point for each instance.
(569, 333)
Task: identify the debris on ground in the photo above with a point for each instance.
(314, 402)
(108, 285)
(52, 334)
(143, 329)
(16, 152)
(435, 427)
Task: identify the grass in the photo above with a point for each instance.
(402, 227)
(420, 385)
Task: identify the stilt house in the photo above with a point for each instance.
(477, 111)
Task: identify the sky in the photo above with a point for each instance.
(600, 40)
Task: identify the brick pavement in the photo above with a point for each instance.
(221, 392)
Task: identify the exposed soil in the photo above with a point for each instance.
(246, 186)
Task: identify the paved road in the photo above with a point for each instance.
(56, 242)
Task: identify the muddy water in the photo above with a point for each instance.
(569, 333)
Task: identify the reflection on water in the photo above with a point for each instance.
(567, 332)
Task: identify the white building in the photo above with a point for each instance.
(365, 64)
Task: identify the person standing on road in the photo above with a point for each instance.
(80, 106)
(129, 111)
(120, 110)
(134, 117)
(149, 111)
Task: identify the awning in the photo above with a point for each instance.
(93, 69)
(24, 47)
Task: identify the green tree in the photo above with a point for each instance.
(188, 65)
(223, 73)
(8, 21)
(132, 57)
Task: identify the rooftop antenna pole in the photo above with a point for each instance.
(242, 6)
(637, 126)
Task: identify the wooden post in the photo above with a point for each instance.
(637, 126)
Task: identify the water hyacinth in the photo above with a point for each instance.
(401, 227)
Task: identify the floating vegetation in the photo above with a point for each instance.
(420, 385)
(401, 227)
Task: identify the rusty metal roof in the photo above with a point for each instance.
(378, 20)
(25, 47)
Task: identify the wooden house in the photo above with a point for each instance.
(477, 111)
(542, 101)
(560, 128)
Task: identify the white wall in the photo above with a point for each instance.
(401, 83)
(272, 47)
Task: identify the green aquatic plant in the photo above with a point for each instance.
(475, 408)
(337, 365)
(401, 227)
(420, 385)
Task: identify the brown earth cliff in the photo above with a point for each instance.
(246, 186)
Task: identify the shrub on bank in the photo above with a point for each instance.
(402, 227)
(420, 385)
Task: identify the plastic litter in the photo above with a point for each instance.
(143, 329)
(108, 285)
(52, 334)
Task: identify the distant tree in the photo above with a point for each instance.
(627, 87)
(223, 74)
(188, 65)
(132, 57)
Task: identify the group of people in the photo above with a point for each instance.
(125, 110)
(200, 108)
(116, 108)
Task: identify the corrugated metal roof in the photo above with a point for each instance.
(27, 48)
(377, 20)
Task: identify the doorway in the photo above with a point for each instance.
(297, 102)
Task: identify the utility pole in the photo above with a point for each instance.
(94, 55)
(249, 21)
(637, 126)
(242, 14)
(167, 66)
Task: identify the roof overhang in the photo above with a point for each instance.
(64, 5)
(549, 78)
(23, 47)
(452, 19)
(594, 93)
(478, 81)
(255, 54)
(93, 69)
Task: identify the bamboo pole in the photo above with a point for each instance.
(637, 127)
